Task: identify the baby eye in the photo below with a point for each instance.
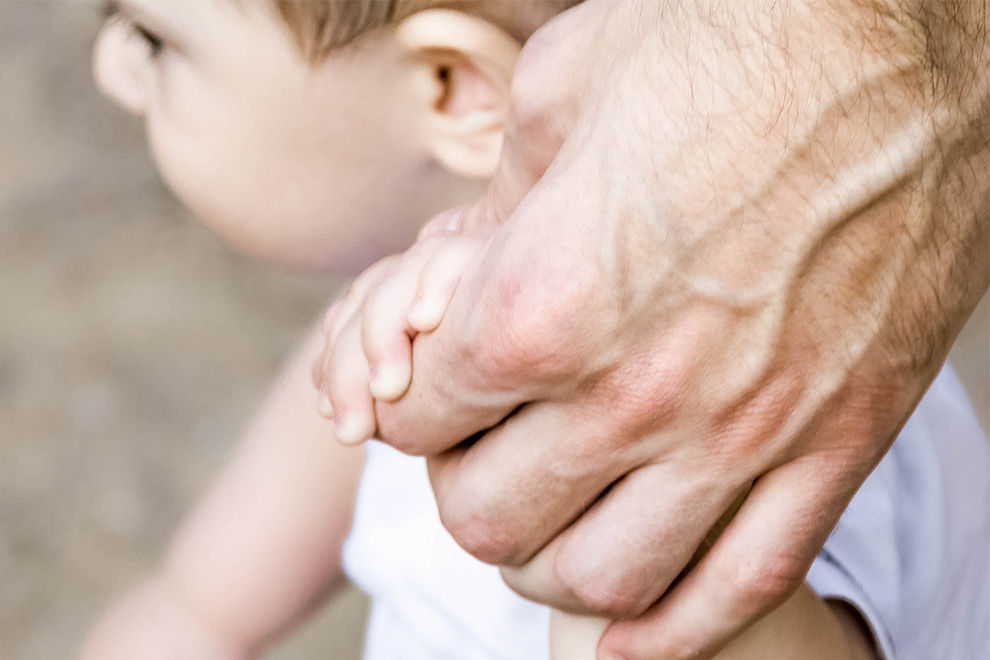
(155, 43)
(112, 13)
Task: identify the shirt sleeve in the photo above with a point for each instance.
(912, 551)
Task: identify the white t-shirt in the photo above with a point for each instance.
(912, 553)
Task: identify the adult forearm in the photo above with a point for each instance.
(955, 189)
(844, 148)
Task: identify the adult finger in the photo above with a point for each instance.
(540, 118)
(505, 496)
(620, 556)
(541, 115)
(755, 565)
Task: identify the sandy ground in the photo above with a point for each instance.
(133, 346)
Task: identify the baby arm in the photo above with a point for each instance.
(258, 552)
(805, 627)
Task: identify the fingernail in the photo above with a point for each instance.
(454, 220)
(425, 314)
(388, 382)
(350, 429)
(324, 406)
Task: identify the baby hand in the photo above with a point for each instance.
(368, 353)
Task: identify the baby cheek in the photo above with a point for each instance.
(239, 195)
(198, 171)
(182, 168)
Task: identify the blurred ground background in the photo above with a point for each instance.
(133, 346)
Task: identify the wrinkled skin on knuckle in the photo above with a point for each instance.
(410, 424)
(526, 336)
(545, 114)
(513, 352)
(678, 646)
(405, 429)
(600, 588)
(652, 387)
(763, 583)
(637, 402)
(759, 425)
(480, 535)
(397, 430)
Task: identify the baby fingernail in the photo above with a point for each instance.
(389, 382)
(351, 429)
(425, 314)
(324, 406)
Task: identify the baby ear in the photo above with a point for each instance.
(464, 68)
(120, 66)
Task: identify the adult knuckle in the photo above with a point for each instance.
(755, 423)
(678, 646)
(598, 588)
(513, 348)
(394, 431)
(478, 534)
(765, 582)
(405, 443)
(528, 88)
(527, 333)
(636, 409)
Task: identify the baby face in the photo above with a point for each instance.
(309, 164)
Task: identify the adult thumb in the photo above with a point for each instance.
(545, 100)
(524, 159)
(518, 171)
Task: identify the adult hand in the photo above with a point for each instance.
(729, 245)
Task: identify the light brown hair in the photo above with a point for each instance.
(319, 26)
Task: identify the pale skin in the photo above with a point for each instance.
(228, 102)
(402, 297)
(726, 251)
(261, 549)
